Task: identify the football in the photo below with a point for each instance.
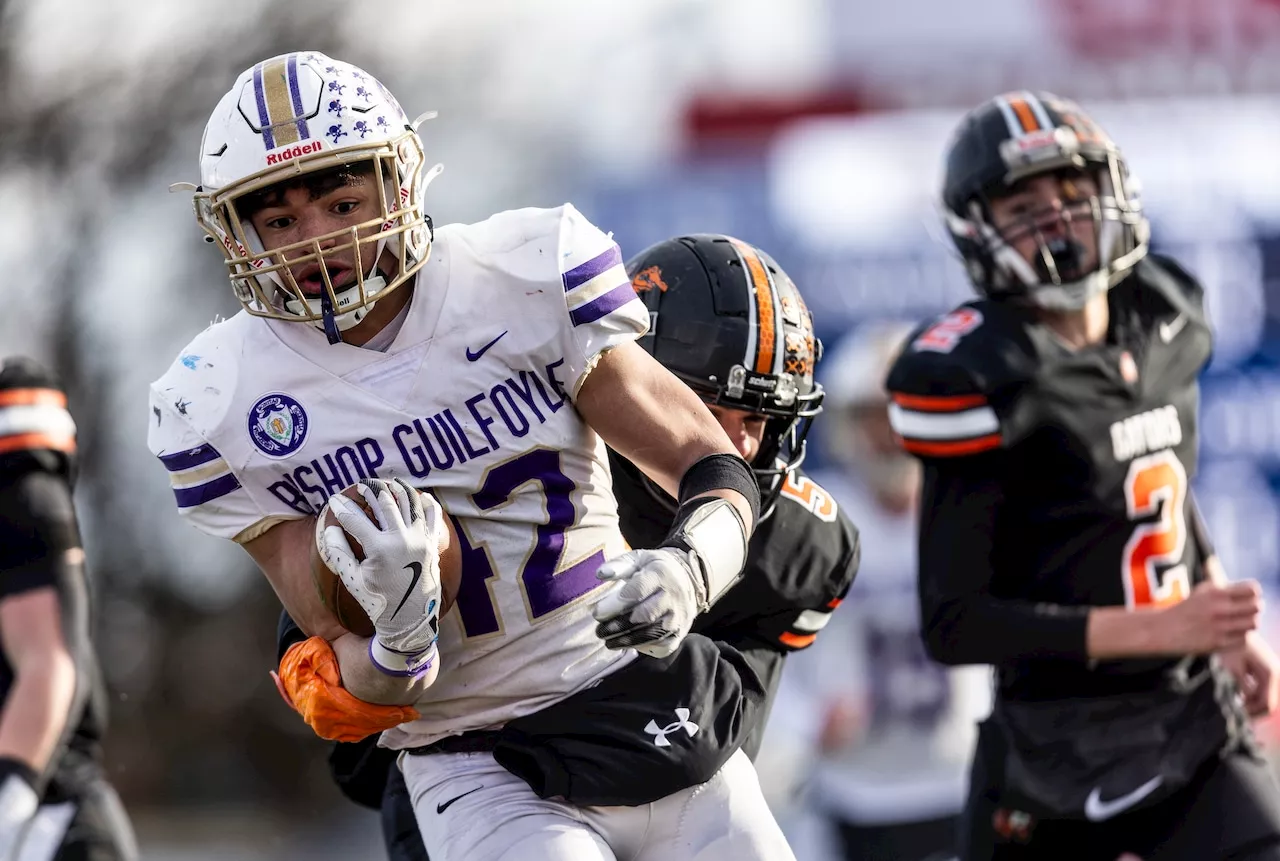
(343, 604)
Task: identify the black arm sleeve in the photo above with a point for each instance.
(962, 622)
(287, 634)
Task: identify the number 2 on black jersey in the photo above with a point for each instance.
(1156, 482)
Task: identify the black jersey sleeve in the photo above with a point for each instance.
(810, 599)
(1200, 530)
(962, 621)
(955, 387)
(39, 539)
(36, 431)
(800, 564)
(40, 549)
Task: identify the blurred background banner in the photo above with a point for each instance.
(813, 128)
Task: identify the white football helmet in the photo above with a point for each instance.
(298, 114)
(857, 431)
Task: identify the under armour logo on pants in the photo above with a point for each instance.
(660, 733)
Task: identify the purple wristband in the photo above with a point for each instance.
(401, 664)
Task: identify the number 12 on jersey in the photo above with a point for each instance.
(1156, 482)
(545, 590)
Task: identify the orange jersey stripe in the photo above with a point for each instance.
(32, 398)
(24, 441)
(764, 307)
(797, 641)
(1025, 115)
(834, 602)
(936, 448)
(939, 403)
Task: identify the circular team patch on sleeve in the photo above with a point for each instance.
(277, 425)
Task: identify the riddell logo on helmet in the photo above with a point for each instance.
(293, 152)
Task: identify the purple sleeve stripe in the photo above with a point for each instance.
(608, 303)
(190, 497)
(183, 460)
(581, 274)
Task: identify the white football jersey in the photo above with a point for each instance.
(260, 421)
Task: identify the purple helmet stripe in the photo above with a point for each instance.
(295, 94)
(264, 118)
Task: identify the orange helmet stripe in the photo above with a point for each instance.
(762, 293)
(1024, 113)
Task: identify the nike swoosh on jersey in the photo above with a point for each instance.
(417, 573)
(441, 808)
(1170, 330)
(1097, 810)
(471, 357)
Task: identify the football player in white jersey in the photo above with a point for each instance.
(892, 730)
(487, 363)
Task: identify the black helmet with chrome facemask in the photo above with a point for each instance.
(727, 321)
(1020, 135)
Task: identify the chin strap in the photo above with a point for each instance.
(334, 321)
(329, 324)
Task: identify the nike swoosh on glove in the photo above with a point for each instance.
(653, 604)
(398, 581)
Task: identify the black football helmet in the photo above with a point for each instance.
(727, 320)
(1022, 134)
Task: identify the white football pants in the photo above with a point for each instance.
(469, 808)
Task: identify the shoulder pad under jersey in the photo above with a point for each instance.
(1170, 278)
(954, 386)
(201, 382)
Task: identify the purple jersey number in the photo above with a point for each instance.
(547, 589)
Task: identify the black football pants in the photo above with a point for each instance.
(1230, 811)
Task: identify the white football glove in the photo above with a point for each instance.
(398, 582)
(654, 603)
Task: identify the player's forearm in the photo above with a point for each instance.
(1117, 632)
(283, 553)
(367, 682)
(37, 708)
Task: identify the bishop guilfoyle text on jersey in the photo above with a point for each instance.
(448, 438)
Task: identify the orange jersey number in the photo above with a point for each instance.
(943, 335)
(811, 495)
(1157, 482)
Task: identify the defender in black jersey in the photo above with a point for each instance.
(730, 323)
(727, 320)
(1056, 419)
(55, 802)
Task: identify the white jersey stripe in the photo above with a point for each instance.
(812, 621)
(37, 418)
(593, 289)
(1010, 119)
(199, 474)
(942, 426)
